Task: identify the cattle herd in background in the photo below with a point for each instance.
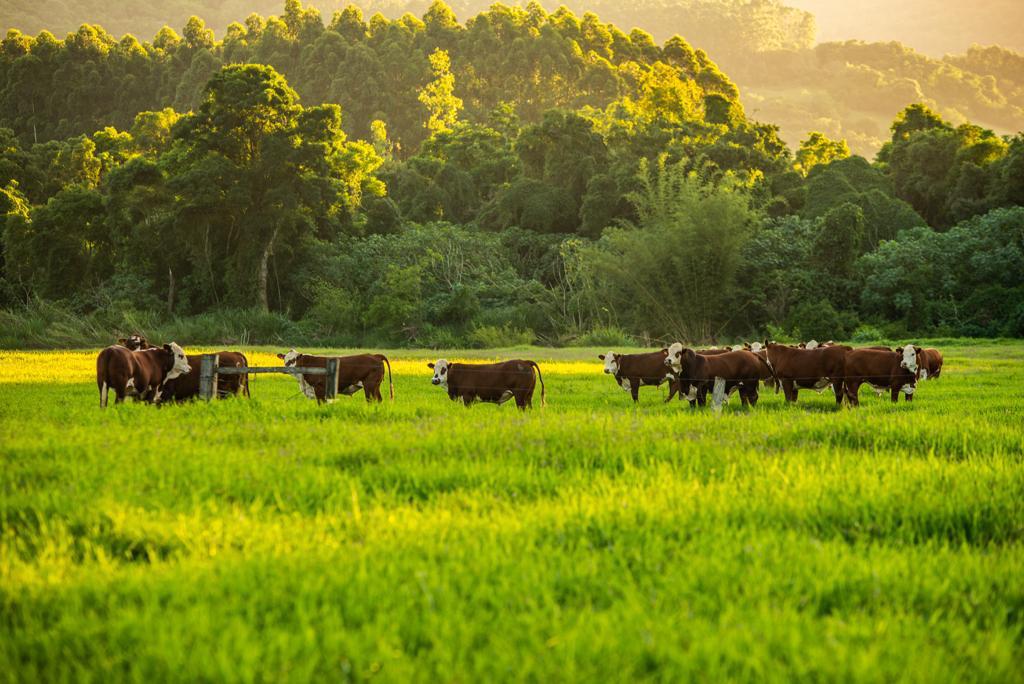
(134, 368)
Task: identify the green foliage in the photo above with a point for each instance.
(674, 272)
(438, 95)
(819, 320)
(817, 149)
(492, 336)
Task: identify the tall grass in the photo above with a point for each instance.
(274, 539)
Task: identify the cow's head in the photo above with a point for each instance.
(908, 357)
(179, 362)
(440, 372)
(755, 347)
(812, 344)
(611, 362)
(291, 358)
(134, 342)
(677, 357)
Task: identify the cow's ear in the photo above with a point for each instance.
(167, 347)
(601, 356)
(664, 352)
(430, 366)
(280, 356)
(122, 341)
(918, 349)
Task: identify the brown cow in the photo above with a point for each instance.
(186, 386)
(882, 369)
(359, 372)
(142, 373)
(632, 371)
(494, 383)
(797, 369)
(725, 373)
(932, 366)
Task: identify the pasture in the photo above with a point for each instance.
(277, 540)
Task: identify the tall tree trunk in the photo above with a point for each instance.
(262, 283)
(170, 290)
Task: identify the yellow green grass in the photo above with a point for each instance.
(278, 540)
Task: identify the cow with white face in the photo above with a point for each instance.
(492, 383)
(141, 372)
(358, 372)
(441, 373)
(632, 371)
(882, 369)
(908, 359)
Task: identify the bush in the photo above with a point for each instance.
(490, 336)
(866, 333)
(821, 321)
(606, 336)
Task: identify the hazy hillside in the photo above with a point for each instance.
(849, 90)
(935, 27)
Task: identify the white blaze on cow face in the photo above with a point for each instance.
(909, 360)
(675, 357)
(813, 344)
(756, 347)
(290, 358)
(611, 363)
(441, 373)
(181, 366)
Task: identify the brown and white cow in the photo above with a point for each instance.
(186, 386)
(723, 373)
(135, 342)
(816, 369)
(494, 383)
(632, 371)
(358, 372)
(931, 367)
(142, 373)
(895, 371)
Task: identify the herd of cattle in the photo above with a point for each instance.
(134, 368)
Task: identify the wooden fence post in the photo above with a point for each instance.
(208, 376)
(331, 379)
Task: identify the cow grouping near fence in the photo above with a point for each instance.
(134, 368)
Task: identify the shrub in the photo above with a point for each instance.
(821, 321)
(606, 336)
(490, 336)
(866, 333)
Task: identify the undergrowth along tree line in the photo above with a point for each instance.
(522, 177)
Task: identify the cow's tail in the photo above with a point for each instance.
(543, 399)
(101, 378)
(391, 384)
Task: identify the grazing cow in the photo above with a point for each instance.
(725, 373)
(931, 367)
(816, 369)
(882, 369)
(186, 386)
(494, 383)
(631, 371)
(142, 373)
(360, 372)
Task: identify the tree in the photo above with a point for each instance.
(818, 149)
(438, 96)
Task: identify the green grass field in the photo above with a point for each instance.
(277, 540)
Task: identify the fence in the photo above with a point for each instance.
(210, 369)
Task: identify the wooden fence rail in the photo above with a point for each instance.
(210, 368)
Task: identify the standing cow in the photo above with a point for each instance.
(931, 367)
(359, 372)
(494, 383)
(186, 386)
(632, 371)
(816, 369)
(142, 373)
(895, 371)
(724, 373)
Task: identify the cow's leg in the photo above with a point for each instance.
(467, 399)
(702, 395)
(837, 387)
(523, 399)
(673, 389)
(895, 393)
(790, 390)
(752, 394)
(852, 392)
(634, 390)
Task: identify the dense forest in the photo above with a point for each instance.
(522, 176)
(843, 88)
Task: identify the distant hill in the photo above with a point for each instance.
(935, 27)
